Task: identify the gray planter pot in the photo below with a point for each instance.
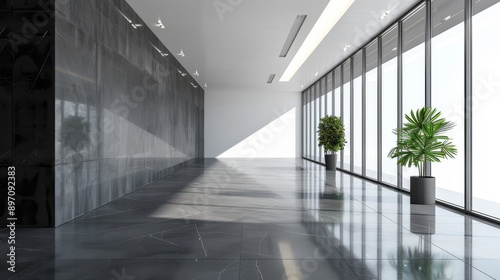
(331, 161)
(422, 190)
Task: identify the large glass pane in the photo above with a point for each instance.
(357, 122)
(322, 92)
(346, 117)
(306, 124)
(486, 103)
(317, 112)
(337, 85)
(329, 94)
(448, 92)
(413, 71)
(371, 109)
(389, 103)
(310, 125)
(304, 128)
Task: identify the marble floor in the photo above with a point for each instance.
(260, 219)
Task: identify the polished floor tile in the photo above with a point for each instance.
(260, 219)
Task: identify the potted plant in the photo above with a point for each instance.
(331, 135)
(419, 142)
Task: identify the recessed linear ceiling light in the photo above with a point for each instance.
(297, 24)
(447, 18)
(330, 16)
(271, 78)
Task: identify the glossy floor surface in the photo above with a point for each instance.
(260, 219)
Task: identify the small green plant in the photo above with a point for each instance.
(421, 140)
(331, 134)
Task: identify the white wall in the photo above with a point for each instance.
(252, 124)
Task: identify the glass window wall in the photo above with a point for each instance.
(340, 93)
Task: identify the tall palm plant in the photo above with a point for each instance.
(421, 140)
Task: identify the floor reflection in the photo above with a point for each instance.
(261, 219)
(382, 236)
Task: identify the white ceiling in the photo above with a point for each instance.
(235, 44)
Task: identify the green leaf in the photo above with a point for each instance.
(331, 134)
(421, 139)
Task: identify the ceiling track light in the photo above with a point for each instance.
(196, 73)
(346, 47)
(182, 73)
(195, 86)
(123, 15)
(384, 15)
(160, 24)
(206, 85)
(181, 53)
(159, 51)
(134, 25)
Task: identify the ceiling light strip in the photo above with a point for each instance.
(330, 16)
(294, 31)
(271, 78)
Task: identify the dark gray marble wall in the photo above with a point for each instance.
(89, 108)
(124, 115)
(27, 108)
